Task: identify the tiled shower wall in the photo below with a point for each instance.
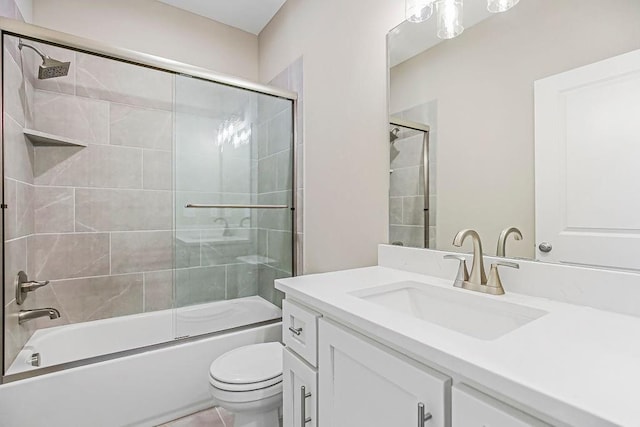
(406, 190)
(19, 195)
(274, 235)
(102, 214)
(97, 221)
(215, 248)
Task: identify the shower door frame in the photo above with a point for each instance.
(26, 31)
(425, 129)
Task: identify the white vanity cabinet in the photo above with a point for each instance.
(300, 363)
(362, 384)
(335, 377)
(474, 409)
(300, 392)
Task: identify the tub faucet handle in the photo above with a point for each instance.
(32, 285)
(24, 286)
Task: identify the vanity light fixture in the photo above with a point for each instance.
(449, 13)
(418, 10)
(497, 6)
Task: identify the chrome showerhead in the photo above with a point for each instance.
(50, 67)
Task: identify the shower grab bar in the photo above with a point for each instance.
(196, 206)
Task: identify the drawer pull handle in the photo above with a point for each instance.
(296, 331)
(422, 417)
(303, 407)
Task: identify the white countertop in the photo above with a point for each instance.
(577, 364)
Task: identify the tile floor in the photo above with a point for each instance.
(213, 417)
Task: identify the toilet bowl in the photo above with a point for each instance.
(247, 381)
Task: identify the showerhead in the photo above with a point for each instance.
(393, 135)
(50, 67)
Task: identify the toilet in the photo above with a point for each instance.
(247, 381)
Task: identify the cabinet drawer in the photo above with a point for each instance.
(471, 408)
(300, 331)
(297, 407)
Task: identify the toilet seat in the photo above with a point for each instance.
(246, 396)
(256, 367)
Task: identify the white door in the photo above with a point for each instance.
(363, 384)
(587, 172)
(297, 406)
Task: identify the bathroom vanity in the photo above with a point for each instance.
(398, 345)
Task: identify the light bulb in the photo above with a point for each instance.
(418, 10)
(497, 6)
(449, 18)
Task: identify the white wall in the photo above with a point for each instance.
(153, 27)
(346, 152)
(26, 9)
(483, 84)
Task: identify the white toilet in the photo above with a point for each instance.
(247, 381)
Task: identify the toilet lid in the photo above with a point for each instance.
(248, 365)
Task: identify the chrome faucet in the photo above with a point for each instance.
(477, 275)
(477, 279)
(502, 240)
(26, 315)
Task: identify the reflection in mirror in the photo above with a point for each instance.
(476, 92)
(410, 220)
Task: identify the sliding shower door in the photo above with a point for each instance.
(233, 219)
(139, 206)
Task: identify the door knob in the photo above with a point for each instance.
(545, 247)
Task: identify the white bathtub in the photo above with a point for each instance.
(68, 343)
(143, 389)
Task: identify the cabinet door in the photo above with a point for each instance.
(297, 374)
(364, 384)
(474, 409)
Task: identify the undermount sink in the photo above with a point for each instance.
(462, 311)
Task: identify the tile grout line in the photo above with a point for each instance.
(110, 256)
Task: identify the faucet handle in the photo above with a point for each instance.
(494, 284)
(506, 264)
(463, 273)
(23, 286)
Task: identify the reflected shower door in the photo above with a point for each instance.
(410, 214)
(233, 219)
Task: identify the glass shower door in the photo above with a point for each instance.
(233, 218)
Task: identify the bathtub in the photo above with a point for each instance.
(146, 388)
(68, 343)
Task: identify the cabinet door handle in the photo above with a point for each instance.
(422, 417)
(296, 331)
(303, 407)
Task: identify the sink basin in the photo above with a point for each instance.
(462, 311)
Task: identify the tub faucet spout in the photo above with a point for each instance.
(26, 315)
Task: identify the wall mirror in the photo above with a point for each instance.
(533, 123)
